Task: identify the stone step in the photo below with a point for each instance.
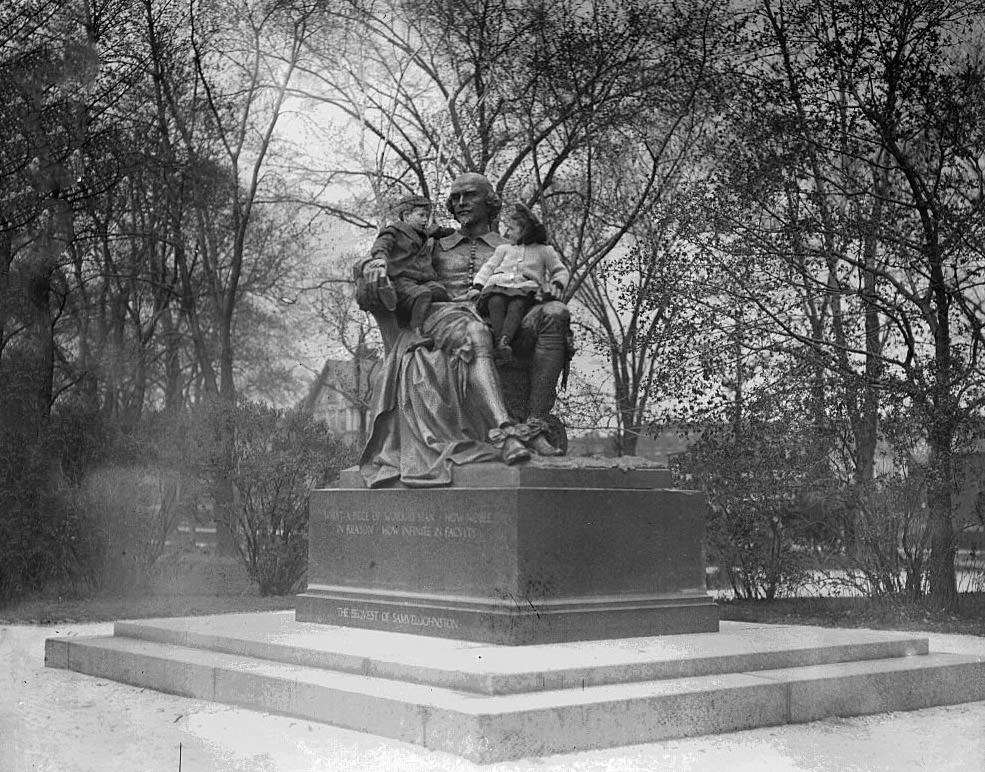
(490, 669)
(487, 728)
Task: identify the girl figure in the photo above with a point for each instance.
(517, 276)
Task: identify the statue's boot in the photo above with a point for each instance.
(484, 380)
(547, 363)
(542, 446)
(513, 451)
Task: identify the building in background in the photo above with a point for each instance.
(341, 395)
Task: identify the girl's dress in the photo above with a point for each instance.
(520, 270)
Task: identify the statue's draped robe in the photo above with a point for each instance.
(424, 420)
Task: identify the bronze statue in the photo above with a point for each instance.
(436, 408)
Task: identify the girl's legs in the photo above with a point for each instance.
(496, 305)
(515, 310)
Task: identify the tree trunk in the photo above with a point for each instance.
(629, 440)
(173, 396)
(40, 332)
(628, 431)
(40, 348)
(944, 416)
(940, 569)
(224, 495)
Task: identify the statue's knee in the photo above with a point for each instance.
(478, 333)
(551, 313)
(477, 330)
(554, 316)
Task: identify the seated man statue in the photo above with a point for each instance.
(541, 348)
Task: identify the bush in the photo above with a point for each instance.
(39, 526)
(279, 457)
(127, 514)
(753, 483)
(81, 439)
(891, 539)
(87, 505)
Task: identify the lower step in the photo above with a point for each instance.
(491, 669)
(489, 728)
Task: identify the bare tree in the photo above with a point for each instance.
(591, 111)
(350, 372)
(862, 158)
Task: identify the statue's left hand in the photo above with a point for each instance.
(552, 291)
(373, 288)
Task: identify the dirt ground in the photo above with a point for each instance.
(59, 721)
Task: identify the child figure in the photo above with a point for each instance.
(517, 276)
(408, 253)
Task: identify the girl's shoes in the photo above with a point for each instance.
(504, 352)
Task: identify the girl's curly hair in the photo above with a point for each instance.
(533, 231)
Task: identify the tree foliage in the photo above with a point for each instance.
(762, 206)
(853, 178)
(146, 238)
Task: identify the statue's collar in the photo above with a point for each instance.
(492, 238)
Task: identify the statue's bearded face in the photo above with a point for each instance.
(468, 201)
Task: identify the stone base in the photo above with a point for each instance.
(493, 703)
(538, 553)
(506, 623)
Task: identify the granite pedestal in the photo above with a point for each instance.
(492, 703)
(545, 552)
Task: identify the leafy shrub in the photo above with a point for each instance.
(49, 530)
(753, 483)
(279, 457)
(891, 539)
(80, 439)
(127, 514)
(39, 526)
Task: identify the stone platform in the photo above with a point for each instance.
(491, 703)
(549, 551)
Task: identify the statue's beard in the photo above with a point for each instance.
(469, 219)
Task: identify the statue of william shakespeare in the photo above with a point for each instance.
(440, 399)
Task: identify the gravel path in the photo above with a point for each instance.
(65, 722)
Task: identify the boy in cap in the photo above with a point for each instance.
(408, 251)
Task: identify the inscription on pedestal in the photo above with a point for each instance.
(394, 619)
(451, 525)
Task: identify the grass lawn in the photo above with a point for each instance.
(190, 584)
(46, 610)
(861, 612)
(194, 584)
